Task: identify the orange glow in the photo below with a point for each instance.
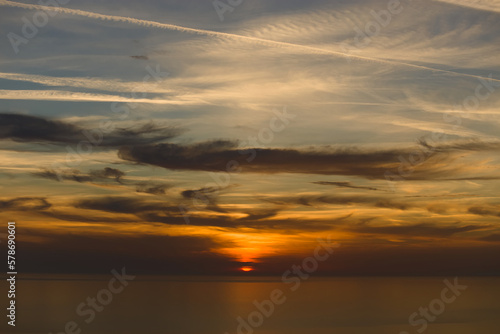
(246, 268)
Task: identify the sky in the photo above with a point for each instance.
(203, 137)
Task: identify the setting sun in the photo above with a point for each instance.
(246, 268)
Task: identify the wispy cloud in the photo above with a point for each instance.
(61, 95)
(113, 85)
(343, 185)
(301, 48)
(487, 5)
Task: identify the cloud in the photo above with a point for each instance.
(140, 57)
(155, 211)
(25, 128)
(102, 176)
(114, 85)
(317, 200)
(152, 188)
(85, 218)
(398, 259)
(118, 204)
(25, 204)
(416, 230)
(343, 185)
(236, 37)
(486, 5)
(495, 237)
(223, 155)
(485, 211)
(473, 145)
(206, 196)
(261, 214)
(105, 174)
(140, 254)
(215, 156)
(61, 95)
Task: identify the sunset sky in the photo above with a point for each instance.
(172, 137)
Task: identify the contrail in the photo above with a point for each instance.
(309, 49)
(486, 5)
(112, 85)
(56, 95)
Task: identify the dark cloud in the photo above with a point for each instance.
(86, 218)
(201, 193)
(495, 237)
(151, 211)
(30, 128)
(101, 175)
(261, 214)
(25, 204)
(163, 254)
(108, 172)
(25, 128)
(485, 211)
(142, 57)
(397, 259)
(317, 200)
(207, 197)
(469, 145)
(343, 185)
(140, 254)
(257, 222)
(156, 211)
(152, 188)
(416, 230)
(223, 155)
(218, 155)
(124, 205)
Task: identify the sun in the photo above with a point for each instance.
(246, 268)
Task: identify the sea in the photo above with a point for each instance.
(262, 305)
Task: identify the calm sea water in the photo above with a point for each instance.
(196, 305)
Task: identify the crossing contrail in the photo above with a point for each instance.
(166, 26)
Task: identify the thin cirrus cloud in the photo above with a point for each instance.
(298, 47)
(114, 85)
(418, 230)
(486, 5)
(345, 200)
(343, 185)
(58, 95)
